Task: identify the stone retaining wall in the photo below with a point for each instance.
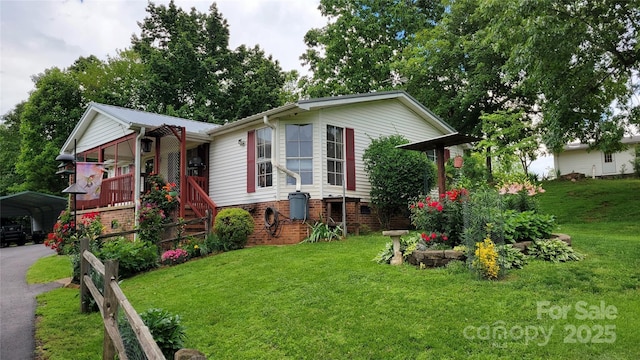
(437, 258)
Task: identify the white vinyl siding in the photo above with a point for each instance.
(101, 130)
(591, 163)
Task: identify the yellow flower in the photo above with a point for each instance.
(196, 247)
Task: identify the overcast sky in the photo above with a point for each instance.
(37, 35)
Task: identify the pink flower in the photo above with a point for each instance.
(421, 205)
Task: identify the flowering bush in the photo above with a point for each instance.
(150, 220)
(62, 232)
(63, 240)
(174, 257)
(441, 217)
(486, 259)
(162, 195)
(518, 195)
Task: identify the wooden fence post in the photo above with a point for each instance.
(84, 270)
(110, 307)
(207, 225)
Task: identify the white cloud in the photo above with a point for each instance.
(37, 35)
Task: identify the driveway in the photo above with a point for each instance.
(17, 300)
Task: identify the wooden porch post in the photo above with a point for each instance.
(442, 185)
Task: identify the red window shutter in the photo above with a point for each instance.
(351, 158)
(251, 161)
(447, 154)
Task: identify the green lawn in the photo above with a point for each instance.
(330, 301)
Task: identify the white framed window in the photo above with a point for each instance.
(300, 152)
(608, 157)
(263, 157)
(335, 155)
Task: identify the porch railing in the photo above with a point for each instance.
(197, 198)
(117, 190)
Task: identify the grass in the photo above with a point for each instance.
(49, 268)
(329, 300)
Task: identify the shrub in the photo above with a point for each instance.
(483, 208)
(527, 226)
(443, 216)
(554, 250)
(174, 257)
(150, 221)
(161, 194)
(166, 329)
(195, 247)
(133, 257)
(396, 176)
(485, 261)
(233, 227)
(510, 257)
(62, 232)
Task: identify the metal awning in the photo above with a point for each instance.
(441, 141)
(43, 208)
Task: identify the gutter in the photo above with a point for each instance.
(296, 176)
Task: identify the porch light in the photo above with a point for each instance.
(145, 143)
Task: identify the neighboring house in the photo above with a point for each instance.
(577, 158)
(263, 163)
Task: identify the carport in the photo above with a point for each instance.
(42, 208)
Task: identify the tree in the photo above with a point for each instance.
(582, 57)
(190, 72)
(254, 84)
(117, 81)
(47, 119)
(450, 70)
(355, 51)
(10, 148)
(396, 176)
(510, 134)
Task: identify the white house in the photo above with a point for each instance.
(276, 164)
(577, 158)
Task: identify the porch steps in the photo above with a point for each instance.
(189, 214)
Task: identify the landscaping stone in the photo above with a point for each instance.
(189, 354)
(437, 258)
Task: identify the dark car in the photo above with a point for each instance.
(12, 233)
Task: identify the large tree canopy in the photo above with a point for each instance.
(582, 57)
(10, 148)
(355, 51)
(190, 72)
(47, 119)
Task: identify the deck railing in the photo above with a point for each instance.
(117, 190)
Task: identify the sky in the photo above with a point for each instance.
(39, 34)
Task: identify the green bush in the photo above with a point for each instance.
(408, 244)
(441, 218)
(133, 257)
(510, 257)
(396, 176)
(554, 250)
(527, 226)
(166, 329)
(233, 227)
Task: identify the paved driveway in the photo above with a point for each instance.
(17, 300)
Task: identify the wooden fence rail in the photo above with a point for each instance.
(109, 303)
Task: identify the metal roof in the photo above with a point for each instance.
(138, 118)
(441, 141)
(43, 207)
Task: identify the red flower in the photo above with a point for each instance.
(433, 235)
(439, 207)
(420, 204)
(444, 237)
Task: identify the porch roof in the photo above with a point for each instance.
(135, 120)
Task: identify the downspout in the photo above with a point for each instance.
(136, 178)
(273, 155)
